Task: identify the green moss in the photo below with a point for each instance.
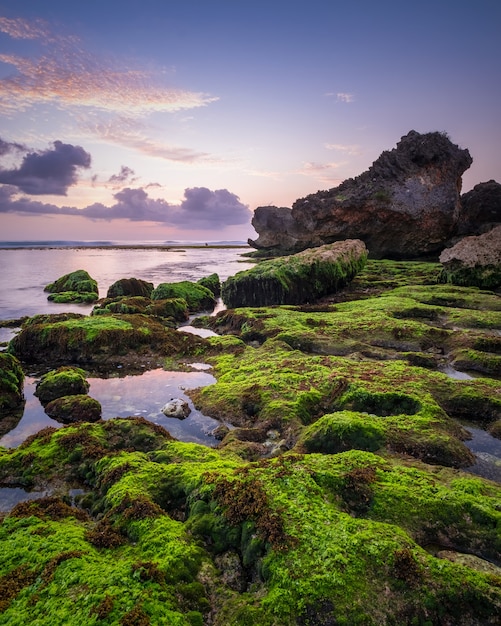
(174, 309)
(198, 297)
(338, 432)
(64, 381)
(79, 339)
(76, 286)
(294, 279)
(74, 408)
(211, 282)
(11, 383)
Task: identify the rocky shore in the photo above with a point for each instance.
(343, 489)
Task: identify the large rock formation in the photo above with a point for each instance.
(406, 205)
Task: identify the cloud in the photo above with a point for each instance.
(321, 171)
(126, 174)
(201, 208)
(352, 150)
(51, 171)
(67, 75)
(7, 147)
(345, 97)
(129, 132)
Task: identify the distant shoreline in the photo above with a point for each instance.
(165, 247)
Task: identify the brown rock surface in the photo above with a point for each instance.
(474, 260)
(405, 206)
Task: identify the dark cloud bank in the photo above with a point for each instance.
(53, 171)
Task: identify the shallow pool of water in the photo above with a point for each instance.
(142, 395)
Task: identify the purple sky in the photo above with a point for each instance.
(175, 120)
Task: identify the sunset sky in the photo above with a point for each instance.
(161, 119)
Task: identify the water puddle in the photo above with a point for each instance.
(487, 451)
(143, 395)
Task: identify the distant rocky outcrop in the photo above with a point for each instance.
(296, 279)
(406, 205)
(474, 261)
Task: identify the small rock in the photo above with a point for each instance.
(176, 407)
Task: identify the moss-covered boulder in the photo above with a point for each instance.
(296, 279)
(212, 282)
(130, 287)
(74, 408)
(65, 381)
(127, 339)
(76, 286)
(173, 309)
(11, 383)
(198, 297)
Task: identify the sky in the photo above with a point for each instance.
(168, 120)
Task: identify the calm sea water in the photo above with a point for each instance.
(26, 268)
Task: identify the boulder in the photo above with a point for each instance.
(480, 209)
(296, 279)
(212, 282)
(198, 297)
(76, 286)
(405, 206)
(130, 287)
(176, 407)
(71, 409)
(113, 339)
(65, 381)
(474, 261)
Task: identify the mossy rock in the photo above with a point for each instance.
(211, 282)
(74, 408)
(65, 381)
(342, 431)
(11, 383)
(73, 296)
(101, 339)
(76, 286)
(174, 309)
(130, 287)
(299, 278)
(198, 297)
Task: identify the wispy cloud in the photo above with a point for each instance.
(67, 75)
(345, 97)
(324, 172)
(131, 133)
(352, 150)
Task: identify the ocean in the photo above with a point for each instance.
(27, 267)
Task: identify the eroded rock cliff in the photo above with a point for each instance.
(406, 205)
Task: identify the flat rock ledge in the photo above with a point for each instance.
(299, 278)
(474, 261)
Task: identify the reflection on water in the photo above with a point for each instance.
(143, 396)
(487, 451)
(10, 496)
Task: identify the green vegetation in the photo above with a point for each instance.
(198, 297)
(64, 381)
(336, 496)
(298, 278)
(172, 310)
(166, 534)
(11, 383)
(76, 286)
